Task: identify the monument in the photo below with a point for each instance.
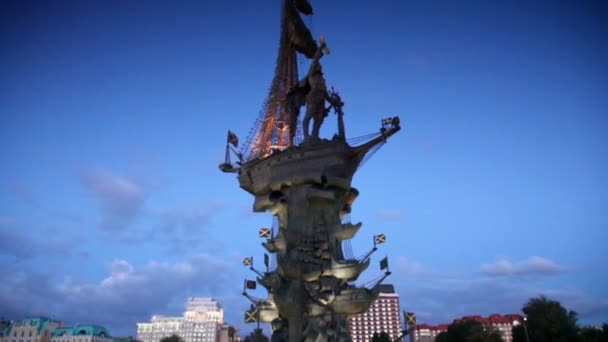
(304, 181)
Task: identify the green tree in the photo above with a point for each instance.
(256, 336)
(484, 333)
(172, 338)
(593, 334)
(442, 337)
(469, 331)
(547, 321)
(382, 337)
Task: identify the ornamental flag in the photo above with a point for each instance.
(265, 233)
(410, 318)
(384, 263)
(251, 284)
(380, 238)
(251, 315)
(233, 139)
(248, 261)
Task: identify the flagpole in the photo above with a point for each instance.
(257, 316)
(228, 148)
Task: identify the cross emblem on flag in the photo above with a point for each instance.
(380, 238)
(247, 261)
(410, 318)
(265, 233)
(251, 315)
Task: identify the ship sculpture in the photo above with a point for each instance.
(304, 181)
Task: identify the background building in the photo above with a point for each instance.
(44, 329)
(426, 332)
(124, 339)
(229, 333)
(159, 327)
(34, 329)
(503, 323)
(81, 333)
(384, 315)
(201, 322)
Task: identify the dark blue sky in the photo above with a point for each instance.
(114, 114)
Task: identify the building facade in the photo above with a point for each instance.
(502, 323)
(34, 329)
(81, 333)
(384, 315)
(229, 333)
(159, 327)
(201, 322)
(426, 332)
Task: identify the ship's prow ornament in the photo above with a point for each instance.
(304, 181)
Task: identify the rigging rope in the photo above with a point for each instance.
(362, 138)
(369, 154)
(372, 282)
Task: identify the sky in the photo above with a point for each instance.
(113, 120)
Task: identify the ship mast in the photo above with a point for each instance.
(275, 126)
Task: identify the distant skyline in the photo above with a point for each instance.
(113, 120)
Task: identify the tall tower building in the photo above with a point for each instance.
(202, 320)
(384, 315)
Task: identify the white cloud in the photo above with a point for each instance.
(18, 242)
(533, 266)
(127, 294)
(120, 199)
(390, 214)
(440, 300)
(407, 266)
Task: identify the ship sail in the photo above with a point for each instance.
(276, 125)
(299, 34)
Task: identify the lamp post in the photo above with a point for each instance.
(526, 328)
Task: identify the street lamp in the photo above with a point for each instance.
(526, 329)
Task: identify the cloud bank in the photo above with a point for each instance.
(439, 297)
(128, 294)
(533, 266)
(120, 199)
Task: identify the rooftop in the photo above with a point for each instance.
(82, 330)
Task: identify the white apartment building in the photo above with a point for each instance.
(201, 322)
(159, 327)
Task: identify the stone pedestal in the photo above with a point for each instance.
(308, 189)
